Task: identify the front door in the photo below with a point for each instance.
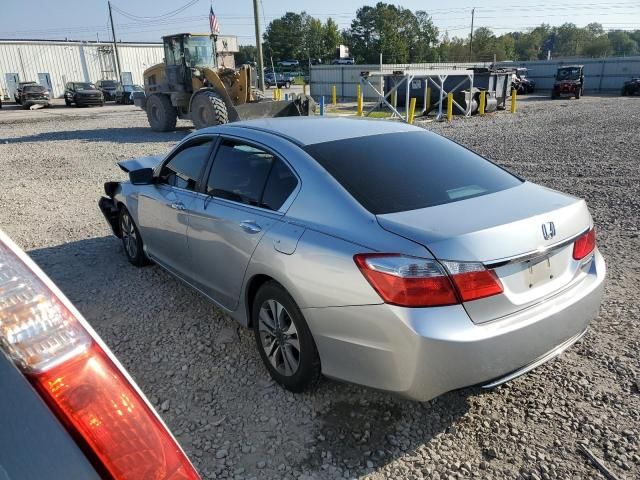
(245, 191)
(164, 209)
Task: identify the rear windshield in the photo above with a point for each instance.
(397, 172)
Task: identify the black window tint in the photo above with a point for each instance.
(239, 173)
(280, 185)
(397, 172)
(184, 169)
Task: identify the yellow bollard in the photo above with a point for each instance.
(394, 98)
(334, 96)
(275, 94)
(412, 111)
(360, 101)
(304, 88)
(449, 106)
(483, 101)
(279, 94)
(514, 100)
(358, 92)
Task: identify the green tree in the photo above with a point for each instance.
(284, 37)
(246, 54)
(393, 31)
(331, 38)
(622, 43)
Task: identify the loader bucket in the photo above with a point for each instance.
(303, 105)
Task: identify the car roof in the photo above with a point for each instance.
(317, 129)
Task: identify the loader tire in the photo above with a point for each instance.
(161, 114)
(208, 109)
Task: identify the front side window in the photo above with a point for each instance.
(185, 167)
(250, 175)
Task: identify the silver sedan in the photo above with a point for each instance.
(372, 252)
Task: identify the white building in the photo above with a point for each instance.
(52, 63)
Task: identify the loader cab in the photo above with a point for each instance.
(184, 53)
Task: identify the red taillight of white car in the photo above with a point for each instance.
(420, 282)
(584, 244)
(79, 379)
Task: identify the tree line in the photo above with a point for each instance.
(404, 36)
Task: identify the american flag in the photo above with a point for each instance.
(213, 22)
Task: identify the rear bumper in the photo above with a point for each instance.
(423, 352)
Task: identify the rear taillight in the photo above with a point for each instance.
(421, 282)
(472, 280)
(584, 245)
(79, 379)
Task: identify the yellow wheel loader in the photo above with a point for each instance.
(190, 85)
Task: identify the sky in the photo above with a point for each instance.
(88, 19)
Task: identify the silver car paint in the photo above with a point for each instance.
(309, 248)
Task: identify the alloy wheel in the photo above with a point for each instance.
(129, 236)
(279, 337)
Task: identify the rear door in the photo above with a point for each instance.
(164, 208)
(246, 193)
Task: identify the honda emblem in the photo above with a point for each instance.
(548, 230)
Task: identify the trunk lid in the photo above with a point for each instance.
(505, 231)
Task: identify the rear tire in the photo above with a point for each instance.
(208, 109)
(284, 340)
(578, 93)
(67, 102)
(131, 239)
(161, 114)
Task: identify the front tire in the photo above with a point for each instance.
(284, 340)
(161, 114)
(208, 109)
(131, 239)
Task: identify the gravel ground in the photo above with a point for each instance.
(205, 376)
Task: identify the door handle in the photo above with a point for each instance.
(250, 226)
(177, 206)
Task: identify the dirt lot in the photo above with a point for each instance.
(205, 376)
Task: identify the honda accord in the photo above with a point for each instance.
(368, 251)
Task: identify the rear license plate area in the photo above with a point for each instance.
(539, 271)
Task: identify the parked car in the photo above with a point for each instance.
(108, 88)
(569, 81)
(18, 92)
(82, 94)
(34, 95)
(278, 79)
(631, 87)
(343, 61)
(124, 93)
(69, 409)
(431, 272)
(288, 63)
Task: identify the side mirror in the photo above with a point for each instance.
(144, 176)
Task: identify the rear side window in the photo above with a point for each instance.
(246, 174)
(185, 167)
(397, 172)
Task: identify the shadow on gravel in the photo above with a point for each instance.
(363, 434)
(118, 135)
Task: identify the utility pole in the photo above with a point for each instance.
(256, 17)
(115, 43)
(473, 10)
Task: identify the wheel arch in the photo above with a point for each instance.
(251, 290)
